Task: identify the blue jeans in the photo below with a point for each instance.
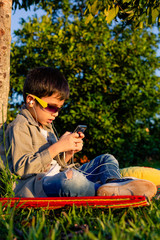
(85, 180)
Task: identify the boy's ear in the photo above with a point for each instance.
(30, 101)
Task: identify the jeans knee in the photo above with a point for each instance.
(111, 158)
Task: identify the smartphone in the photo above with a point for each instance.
(80, 128)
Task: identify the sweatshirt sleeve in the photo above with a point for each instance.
(27, 157)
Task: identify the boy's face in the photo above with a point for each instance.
(40, 114)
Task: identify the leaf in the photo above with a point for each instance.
(141, 25)
(124, 1)
(106, 12)
(94, 9)
(112, 13)
(155, 14)
(131, 15)
(89, 18)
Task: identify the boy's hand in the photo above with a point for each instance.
(71, 141)
(69, 154)
(68, 142)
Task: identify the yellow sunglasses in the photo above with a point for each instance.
(46, 105)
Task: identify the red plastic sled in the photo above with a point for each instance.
(59, 202)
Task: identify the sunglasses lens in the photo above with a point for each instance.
(47, 106)
(52, 109)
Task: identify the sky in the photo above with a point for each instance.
(18, 14)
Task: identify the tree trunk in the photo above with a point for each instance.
(5, 44)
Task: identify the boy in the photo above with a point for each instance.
(41, 160)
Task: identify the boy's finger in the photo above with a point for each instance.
(81, 135)
(67, 133)
(76, 135)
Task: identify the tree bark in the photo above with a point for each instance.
(5, 45)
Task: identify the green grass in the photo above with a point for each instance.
(81, 223)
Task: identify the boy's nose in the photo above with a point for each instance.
(55, 114)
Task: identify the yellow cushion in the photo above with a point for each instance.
(146, 173)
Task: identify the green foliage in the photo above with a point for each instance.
(7, 179)
(137, 12)
(81, 223)
(111, 73)
(145, 12)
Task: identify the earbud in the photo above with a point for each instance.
(31, 102)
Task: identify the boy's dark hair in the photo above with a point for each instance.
(44, 81)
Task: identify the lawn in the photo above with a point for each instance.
(81, 223)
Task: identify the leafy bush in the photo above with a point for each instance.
(111, 73)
